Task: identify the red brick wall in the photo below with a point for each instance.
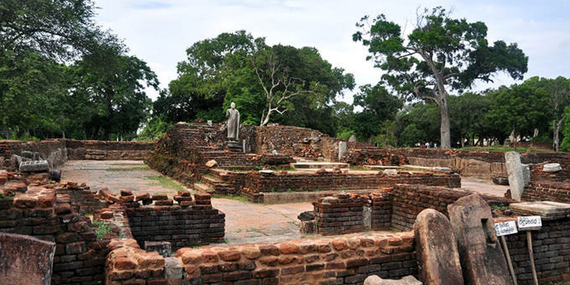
(547, 191)
(182, 227)
(340, 260)
(551, 250)
(107, 150)
(303, 181)
(410, 200)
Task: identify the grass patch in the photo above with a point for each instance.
(101, 228)
(502, 149)
(164, 182)
(231, 197)
(135, 168)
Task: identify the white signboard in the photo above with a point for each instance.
(506, 228)
(529, 222)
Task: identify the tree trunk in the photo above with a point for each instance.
(444, 127)
(556, 127)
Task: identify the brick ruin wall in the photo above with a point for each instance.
(328, 260)
(409, 200)
(58, 151)
(547, 191)
(182, 227)
(296, 181)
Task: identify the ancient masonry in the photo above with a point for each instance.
(98, 237)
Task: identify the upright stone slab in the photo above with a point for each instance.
(25, 260)
(341, 149)
(515, 172)
(34, 166)
(482, 259)
(436, 249)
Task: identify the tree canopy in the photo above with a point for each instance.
(439, 55)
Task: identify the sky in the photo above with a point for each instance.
(160, 31)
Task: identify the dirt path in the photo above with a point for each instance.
(245, 222)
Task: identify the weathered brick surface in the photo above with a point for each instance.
(52, 214)
(410, 200)
(339, 260)
(195, 225)
(302, 181)
(547, 191)
(340, 214)
(551, 246)
(107, 150)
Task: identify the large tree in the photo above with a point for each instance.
(281, 84)
(439, 55)
(378, 105)
(559, 97)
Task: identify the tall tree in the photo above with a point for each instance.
(559, 97)
(440, 54)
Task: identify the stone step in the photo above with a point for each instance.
(203, 188)
(315, 165)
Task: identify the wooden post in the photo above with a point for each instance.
(509, 262)
(530, 253)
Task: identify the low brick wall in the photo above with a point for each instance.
(52, 150)
(341, 260)
(182, 227)
(551, 249)
(303, 181)
(47, 214)
(410, 200)
(341, 214)
(107, 150)
(547, 191)
(297, 142)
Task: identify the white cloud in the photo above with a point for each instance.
(160, 31)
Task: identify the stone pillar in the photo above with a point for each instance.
(342, 149)
(516, 175)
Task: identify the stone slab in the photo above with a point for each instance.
(25, 260)
(34, 166)
(552, 167)
(164, 248)
(547, 210)
(516, 175)
(435, 239)
(407, 280)
(342, 149)
(482, 259)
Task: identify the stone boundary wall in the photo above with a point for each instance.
(410, 200)
(478, 164)
(340, 260)
(107, 150)
(53, 150)
(303, 181)
(182, 227)
(547, 191)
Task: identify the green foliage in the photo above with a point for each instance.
(440, 54)
(154, 129)
(378, 106)
(101, 228)
(61, 76)
(294, 85)
(565, 145)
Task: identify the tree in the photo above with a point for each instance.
(378, 106)
(262, 80)
(559, 96)
(469, 112)
(417, 123)
(440, 54)
(521, 108)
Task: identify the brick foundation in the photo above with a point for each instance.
(547, 191)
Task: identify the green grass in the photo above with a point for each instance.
(502, 149)
(231, 197)
(135, 168)
(101, 228)
(164, 182)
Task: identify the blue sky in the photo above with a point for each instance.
(159, 32)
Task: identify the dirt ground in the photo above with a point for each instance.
(245, 222)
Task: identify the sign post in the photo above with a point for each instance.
(502, 229)
(530, 223)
